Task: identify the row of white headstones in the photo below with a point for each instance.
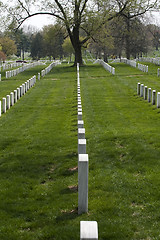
(148, 93)
(151, 60)
(132, 63)
(13, 97)
(48, 69)
(141, 67)
(15, 72)
(6, 66)
(106, 66)
(88, 229)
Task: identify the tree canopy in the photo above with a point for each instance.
(86, 16)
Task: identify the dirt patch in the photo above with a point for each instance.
(73, 188)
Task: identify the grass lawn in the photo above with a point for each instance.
(123, 143)
(38, 156)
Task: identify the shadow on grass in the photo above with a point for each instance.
(67, 215)
(70, 190)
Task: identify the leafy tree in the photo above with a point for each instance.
(22, 40)
(2, 56)
(133, 10)
(53, 36)
(75, 15)
(68, 48)
(154, 31)
(37, 46)
(8, 46)
(82, 14)
(102, 43)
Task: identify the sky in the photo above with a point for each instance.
(40, 21)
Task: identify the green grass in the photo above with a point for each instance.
(122, 132)
(38, 149)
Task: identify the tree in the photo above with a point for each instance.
(154, 31)
(8, 46)
(68, 48)
(133, 10)
(81, 14)
(53, 37)
(102, 43)
(21, 39)
(2, 57)
(37, 46)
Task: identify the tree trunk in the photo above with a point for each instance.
(128, 37)
(105, 58)
(78, 55)
(76, 45)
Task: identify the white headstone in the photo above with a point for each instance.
(4, 105)
(158, 100)
(79, 115)
(81, 146)
(18, 93)
(15, 96)
(88, 230)
(153, 97)
(145, 93)
(8, 101)
(80, 123)
(82, 183)
(149, 94)
(81, 133)
(142, 90)
(12, 98)
(138, 88)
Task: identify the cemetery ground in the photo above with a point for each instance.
(38, 155)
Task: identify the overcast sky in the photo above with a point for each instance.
(41, 20)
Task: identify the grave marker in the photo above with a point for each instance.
(158, 100)
(80, 123)
(142, 90)
(149, 94)
(15, 96)
(79, 115)
(4, 105)
(12, 98)
(81, 146)
(138, 88)
(81, 133)
(8, 101)
(82, 183)
(88, 230)
(145, 93)
(153, 97)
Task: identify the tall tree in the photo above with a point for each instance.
(53, 37)
(134, 9)
(89, 15)
(37, 46)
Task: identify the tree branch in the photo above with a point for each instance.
(21, 21)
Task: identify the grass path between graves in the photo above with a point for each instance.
(38, 146)
(38, 157)
(123, 143)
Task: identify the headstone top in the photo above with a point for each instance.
(83, 157)
(88, 230)
(81, 141)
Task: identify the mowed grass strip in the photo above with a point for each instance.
(38, 159)
(123, 143)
